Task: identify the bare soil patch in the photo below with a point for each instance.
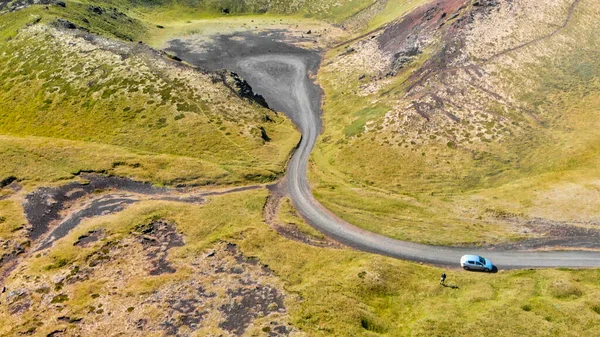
(221, 291)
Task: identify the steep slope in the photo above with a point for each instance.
(466, 122)
(66, 84)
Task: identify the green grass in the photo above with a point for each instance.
(38, 161)
(394, 9)
(363, 116)
(146, 15)
(343, 292)
(11, 219)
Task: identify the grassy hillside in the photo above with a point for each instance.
(325, 292)
(328, 10)
(61, 85)
(481, 132)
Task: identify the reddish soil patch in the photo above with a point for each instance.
(420, 22)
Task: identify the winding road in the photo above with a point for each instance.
(280, 72)
(283, 80)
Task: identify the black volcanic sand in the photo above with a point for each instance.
(105, 205)
(227, 51)
(45, 205)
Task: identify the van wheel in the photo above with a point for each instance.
(466, 268)
(487, 270)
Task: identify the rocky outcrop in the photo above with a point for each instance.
(241, 87)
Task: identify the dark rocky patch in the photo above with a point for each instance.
(68, 319)
(99, 257)
(249, 304)
(105, 205)
(56, 333)
(263, 134)
(404, 38)
(13, 249)
(15, 5)
(157, 238)
(186, 315)
(186, 305)
(62, 23)
(7, 181)
(89, 238)
(240, 87)
(43, 206)
(96, 10)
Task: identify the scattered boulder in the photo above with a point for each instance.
(62, 23)
(7, 181)
(242, 88)
(96, 9)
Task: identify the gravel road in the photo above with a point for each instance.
(282, 78)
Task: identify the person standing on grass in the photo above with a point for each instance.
(443, 279)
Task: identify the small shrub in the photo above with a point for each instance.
(60, 298)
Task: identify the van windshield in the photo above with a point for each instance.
(482, 260)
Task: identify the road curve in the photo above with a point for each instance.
(293, 88)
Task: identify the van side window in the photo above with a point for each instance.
(470, 262)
